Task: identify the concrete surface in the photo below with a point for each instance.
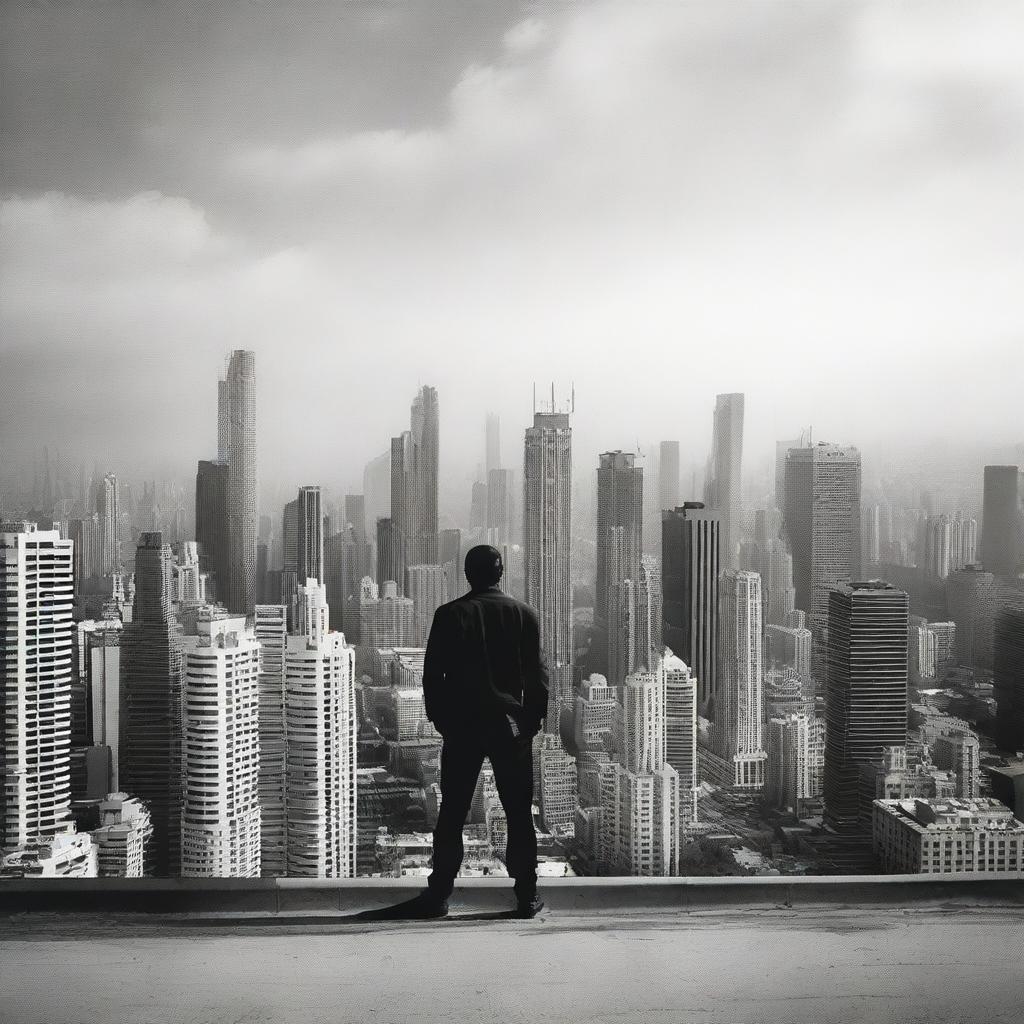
(932, 961)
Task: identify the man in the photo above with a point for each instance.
(485, 686)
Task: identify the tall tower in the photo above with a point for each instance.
(740, 708)
(108, 507)
(723, 487)
(822, 522)
(499, 506)
(310, 535)
(151, 695)
(321, 760)
(1008, 676)
(36, 597)
(1002, 521)
(643, 721)
(414, 472)
(243, 516)
(681, 730)
(220, 823)
(866, 694)
(668, 474)
(547, 517)
(620, 497)
(689, 579)
(212, 524)
(272, 635)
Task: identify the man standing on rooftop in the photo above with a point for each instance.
(485, 686)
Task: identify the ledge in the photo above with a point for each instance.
(285, 898)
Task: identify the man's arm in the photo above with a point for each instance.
(535, 683)
(434, 695)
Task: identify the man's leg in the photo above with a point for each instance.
(461, 760)
(512, 761)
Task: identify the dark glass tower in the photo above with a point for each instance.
(1002, 526)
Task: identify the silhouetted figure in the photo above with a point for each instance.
(485, 686)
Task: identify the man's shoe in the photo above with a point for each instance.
(529, 906)
(423, 907)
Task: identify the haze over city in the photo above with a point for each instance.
(815, 204)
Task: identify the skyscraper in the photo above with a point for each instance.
(151, 694)
(547, 517)
(428, 590)
(723, 486)
(212, 524)
(272, 635)
(681, 730)
(414, 472)
(310, 535)
(243, 513)
(620, 490)
(689, 579)
(220, 823)
(36, 597)
(1002, 521)
(668, 474)
(822, 524)
(643, 720)
(108, 508)
(739, 710)
(499, 506)
(866, 694)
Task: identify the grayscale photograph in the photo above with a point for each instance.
(511, 511)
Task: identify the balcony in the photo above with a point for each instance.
(821, 949)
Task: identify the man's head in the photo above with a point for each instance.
(483, 566)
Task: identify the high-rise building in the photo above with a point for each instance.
(212, 524)
(414, 472)
(123, 837)
(493, 451)
(972, 602)
(547, 470)
(650, 644)
(1002, 520)
(781, 453)
(668, 474)
(640, 821)
(109, 511)
(151, 695)
(739, 707)
(377, 488)
(789, 647)
(321, 773)
(309, 539)
(386, 620)
(220, 820)
(964, 541)
(84, 533)
(272, 635)
(689, 580)
(243, 512)
(558, 782)
(775, 566)
(723, 492)
(642, 742)
(389, 559)
(36, 598)
(427, 588)
(866, 694)
(1008, 677)
(681, 730)
(939, 557)
(594, 713)
(822, 524)
(788, 768)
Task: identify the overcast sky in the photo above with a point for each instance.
(819, 204)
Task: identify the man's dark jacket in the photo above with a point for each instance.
(483, 662)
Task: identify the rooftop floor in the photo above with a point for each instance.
(752, 960)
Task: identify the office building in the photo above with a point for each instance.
(101, 643)
(220, 822)
(151, 702)
(123, 836)
(959, 752)
(36, 599)
(788, 767)
(547, 534)
(1002, 521)
(272, 635)
(642, 740)
(212, 525)
(866, 693)
(640, 821)
(723, 492)
(109, 512)
(822, 524)
(947, 836)
(558, 783)
(689, 580)
(500, 504)
(1008, 678)
(594, 713)
(243, 511)
(387, 620)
